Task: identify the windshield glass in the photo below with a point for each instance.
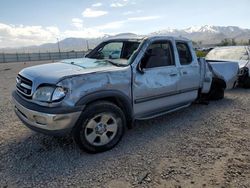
(117, 52)
(235, 53)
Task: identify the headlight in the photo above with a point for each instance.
(59, 93)
(49, 94)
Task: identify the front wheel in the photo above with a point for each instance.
(100, 127)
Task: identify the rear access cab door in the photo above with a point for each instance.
(189, 70)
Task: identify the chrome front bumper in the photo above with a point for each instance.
(45, 122)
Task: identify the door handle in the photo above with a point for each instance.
(173, 74)
(184, 72)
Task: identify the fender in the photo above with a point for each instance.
(120, 99)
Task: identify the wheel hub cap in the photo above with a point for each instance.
(100, 128)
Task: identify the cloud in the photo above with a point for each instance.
(115, 5)
(97, 5)
(84, 33)
(90, 13)
(19, 35)
(119, 24)
(111, 25)
(132, 12)
(128, 13)
(77, 22)
(23, 35)
(143, 18)
(120, 3)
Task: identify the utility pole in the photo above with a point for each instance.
(59, 50)
(87, 42)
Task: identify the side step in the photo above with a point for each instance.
(161, 112)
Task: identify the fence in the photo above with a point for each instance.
(8, 57)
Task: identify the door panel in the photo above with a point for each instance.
(189, 77)
(155, 89)
(189, 71)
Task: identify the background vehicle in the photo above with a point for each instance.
(121, 80)
(239, 54)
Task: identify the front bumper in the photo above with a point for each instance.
(53, 121)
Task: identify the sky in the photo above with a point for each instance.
(34, 22)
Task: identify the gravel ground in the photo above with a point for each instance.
(200, 146)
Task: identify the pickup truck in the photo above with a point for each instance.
(238, 54)
(122, 80)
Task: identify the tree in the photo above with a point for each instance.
(225, 42)
(233, 42)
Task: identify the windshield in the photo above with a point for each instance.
(234, 53)
(117, 52)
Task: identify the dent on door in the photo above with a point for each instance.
(154, 82)
(155, 89)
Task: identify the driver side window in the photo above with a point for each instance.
(158, 54)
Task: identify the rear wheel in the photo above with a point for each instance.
(100, 127)
(216, 93)
(246, 83)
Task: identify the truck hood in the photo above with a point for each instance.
(52, 73)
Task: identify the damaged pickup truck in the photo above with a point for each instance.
(95, 98)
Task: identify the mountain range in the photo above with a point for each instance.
(209, 35)
(203, 35)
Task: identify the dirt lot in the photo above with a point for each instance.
(200, 146)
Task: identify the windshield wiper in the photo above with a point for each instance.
(114, 63)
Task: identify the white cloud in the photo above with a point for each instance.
(77, 22)
(120, 3)
(132, 12)
(111, 25)
(84, 33)
(97, 5)
(90, 13)
(143, 18)
(20, 35)
(127, 13)
(115, 5)
(119, 24)
(14, 36)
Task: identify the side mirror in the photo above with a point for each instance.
(140, 68)
(142, 64)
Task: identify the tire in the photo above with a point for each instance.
(100, 127)
(216, 93)
(246, 83)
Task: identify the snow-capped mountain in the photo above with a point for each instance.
(209, 34)
(205, 35)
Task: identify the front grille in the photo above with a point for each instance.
(24, 85)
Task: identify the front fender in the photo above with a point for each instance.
(119, 98)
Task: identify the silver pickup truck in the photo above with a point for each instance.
(95, 98)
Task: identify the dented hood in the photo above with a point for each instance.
(54, 72)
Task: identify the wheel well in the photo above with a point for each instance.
(218, 82)
(121, 104)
